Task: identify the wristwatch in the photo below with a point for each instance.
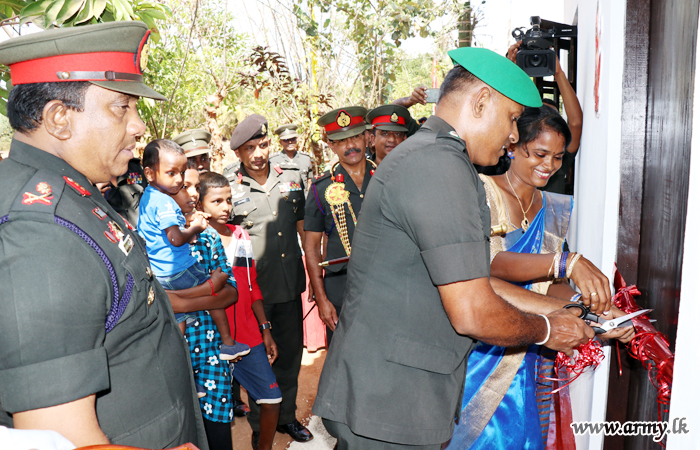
(265, 326)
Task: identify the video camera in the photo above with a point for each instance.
(535, 56)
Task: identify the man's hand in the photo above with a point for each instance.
(270, 346)
(310, 295)
(419, 95)
(218, 279)
(567, 331)
(513, 51)
(327, 313)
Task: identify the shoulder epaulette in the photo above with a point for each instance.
(322, 176)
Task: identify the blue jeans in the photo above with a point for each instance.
(188, 278)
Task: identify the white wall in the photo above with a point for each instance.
(685, 395)
(594, 231)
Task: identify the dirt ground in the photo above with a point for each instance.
(311, 366)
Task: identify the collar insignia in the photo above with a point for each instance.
(81, 190)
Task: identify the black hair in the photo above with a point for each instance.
(534, 121)
(549, 101)
(211, 180)
(191, 164)
(152, 151)
(26, 102)
(456, 80)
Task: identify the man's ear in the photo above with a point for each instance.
(149, 174)
(55, 118)
(238, 155)
(372, 137)
(481, 100)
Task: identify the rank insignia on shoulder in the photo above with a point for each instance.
(278, 169)
(81, 190)
(44, 197)
(134, 178)
(99, 213)
(289, 187)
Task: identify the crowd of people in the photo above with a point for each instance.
(438, 286)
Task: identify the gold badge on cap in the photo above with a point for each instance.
(394, 118)
(263, 129)
(143, 53)
(343, 119)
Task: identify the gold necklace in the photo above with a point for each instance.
(525, 223)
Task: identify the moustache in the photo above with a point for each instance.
(350, 151)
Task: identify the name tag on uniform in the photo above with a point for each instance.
(241, 201)
(289, 187)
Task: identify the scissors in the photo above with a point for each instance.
(605, 325)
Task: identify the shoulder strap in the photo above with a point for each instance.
(37, 202)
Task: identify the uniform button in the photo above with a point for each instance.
(279, 234)
(362, 195)
(245, 213)
(268, 194)
(282, 255)
(274, 213)
(294, 201)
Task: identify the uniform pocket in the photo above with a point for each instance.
(423, 356)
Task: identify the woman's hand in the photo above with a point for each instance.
(594, 286)
(623, 335)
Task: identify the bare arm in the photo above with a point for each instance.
(474, 309)
(224, 298)
(76, 421)
(417, 96)
(312, 250)
(178, 237)
(574, 114)
(300, 230)
(270, 345)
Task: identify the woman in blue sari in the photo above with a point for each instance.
(506, 402)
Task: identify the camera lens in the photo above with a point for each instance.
(534, 60)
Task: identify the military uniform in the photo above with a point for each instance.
(81, 312)
(269, 214)
(125, 196)
(301, 162)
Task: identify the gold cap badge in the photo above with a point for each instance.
(394, 118)
(343, 119)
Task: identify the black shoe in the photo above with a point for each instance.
(254, 439)
(297, 431)
(240, 409)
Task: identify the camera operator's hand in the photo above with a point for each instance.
(513, 50)
(558, 71)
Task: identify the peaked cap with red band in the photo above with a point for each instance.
(389, 118)
(110, 55)
(343, 123)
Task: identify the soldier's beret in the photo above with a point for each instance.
(110, 55)
(194, 142)
(389, 118)
(498, 72)
(343, 123)
(252, 127)
(287, 131)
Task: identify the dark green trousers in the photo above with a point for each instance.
(288, 333)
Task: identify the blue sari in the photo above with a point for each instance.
(515, 423)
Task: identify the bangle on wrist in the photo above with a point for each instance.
(549, 330)
(562, 265)
(551, 267)
(557, 258)
(573, 262)
(265, 326)
(211, 284)
(575, 298)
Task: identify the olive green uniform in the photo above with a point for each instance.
(301, 162)
(318, 217)
(270, 214)
(394, 341)
(81, 312)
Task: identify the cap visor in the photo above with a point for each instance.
(131, 88)
(196, 152)
(347, 133)
(288, 136)
(392, 128)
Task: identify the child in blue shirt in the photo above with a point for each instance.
(162, 225)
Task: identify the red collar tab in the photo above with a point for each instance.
(393, 119)
(340, 178)
(343, 121)
(97, 66)
(239, 179)
(278, 169)
(371, 172)
(81, 190)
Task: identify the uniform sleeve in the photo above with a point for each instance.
(301, 208)
(314, 219)
(54, 292)
(441, 214)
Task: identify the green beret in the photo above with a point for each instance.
(252, 127)
(389, 118)
(343, 123)
(498, 72)
(194, 142)
(286, 131)
(110, 55)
